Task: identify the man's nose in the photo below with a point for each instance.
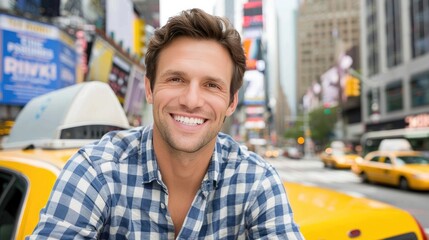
(192, 96)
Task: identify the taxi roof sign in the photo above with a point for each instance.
(395, 144)
(68, 117)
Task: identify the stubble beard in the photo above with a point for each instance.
(184, 143)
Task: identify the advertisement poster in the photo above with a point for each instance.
(100, 62)
(134, 98)
(36, 58)
(254, 93)
(118, 78)
(108, 65)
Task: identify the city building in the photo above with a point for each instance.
(281, 44)
(327, 31)
(395, 56)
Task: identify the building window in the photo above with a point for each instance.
(372, 37)
(373, 102)
(419, 90)
(394, 99)
(393, 32)
(419, 26)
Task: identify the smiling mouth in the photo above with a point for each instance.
(188, 120)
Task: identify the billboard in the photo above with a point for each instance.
(36, 58)
(119, 22)
(135, 95)
(107, 64)
(252, 14)
(100, 62)
(255, 92)
(119, 75)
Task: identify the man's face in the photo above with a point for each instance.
(191, 96)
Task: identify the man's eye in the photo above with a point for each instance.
(212, 85)
(175, 79)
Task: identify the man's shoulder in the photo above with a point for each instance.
(238, 153)
(241, 168)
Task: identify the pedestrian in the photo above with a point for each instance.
(179, 178)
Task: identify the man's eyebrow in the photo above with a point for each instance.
(217, 80)
(173, 72)
(181, 73)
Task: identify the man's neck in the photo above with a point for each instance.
(182, 167)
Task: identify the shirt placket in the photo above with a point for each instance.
(195, 217)
(163, 205)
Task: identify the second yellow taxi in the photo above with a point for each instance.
(405, 169)
(343, 160)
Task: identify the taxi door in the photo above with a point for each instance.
(386, 172)
(373, 168)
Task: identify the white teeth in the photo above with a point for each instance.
(189, 121)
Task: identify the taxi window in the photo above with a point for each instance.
(12, 192)
(400, 161)
(414, 159)
(375, 159)
(388, 161)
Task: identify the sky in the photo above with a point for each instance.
(170, 8)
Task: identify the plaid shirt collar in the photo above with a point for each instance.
(152, 173)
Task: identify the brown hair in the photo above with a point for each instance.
(197, 24)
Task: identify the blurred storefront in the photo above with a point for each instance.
(36, 58)
(60, 43)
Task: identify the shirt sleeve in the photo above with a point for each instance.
(271, 215)
(77, 205)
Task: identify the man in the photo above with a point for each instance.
(180, 178)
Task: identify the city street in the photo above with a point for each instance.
(310, 171)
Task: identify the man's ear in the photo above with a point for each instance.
(233, 105)
(148, 91)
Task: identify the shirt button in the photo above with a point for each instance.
(162, 205)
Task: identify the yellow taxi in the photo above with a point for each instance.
(272, 152)
(329, 215)
(48, 130)
(405, 169)
(338, 160)
(29, 166)
(321, 213)
(26, 180)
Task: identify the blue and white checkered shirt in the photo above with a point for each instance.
(114, 190)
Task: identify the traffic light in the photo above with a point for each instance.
(352, 86)
(327, 109)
